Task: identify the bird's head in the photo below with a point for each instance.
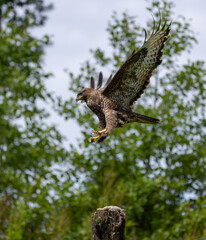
(83, 94)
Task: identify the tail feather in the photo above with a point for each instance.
(144, 119)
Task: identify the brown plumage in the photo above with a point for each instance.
(113, 104)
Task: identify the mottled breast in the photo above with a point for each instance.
(95, 102)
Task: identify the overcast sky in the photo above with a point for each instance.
(79, 25)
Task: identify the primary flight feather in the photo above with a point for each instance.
(114, 102)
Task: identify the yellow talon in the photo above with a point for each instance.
(99, 132)
(92, 139)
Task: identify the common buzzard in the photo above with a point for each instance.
(114, 102)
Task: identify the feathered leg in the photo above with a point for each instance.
(102, 127)
(111, 123)
(102, 124)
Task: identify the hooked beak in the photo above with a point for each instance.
(79, 99)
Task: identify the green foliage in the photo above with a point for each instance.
(29, 146)
(17, 222)
(157, 173)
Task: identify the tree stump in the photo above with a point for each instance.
(108, 223)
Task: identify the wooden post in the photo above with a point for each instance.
(108, 223)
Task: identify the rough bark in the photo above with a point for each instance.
(108, 223)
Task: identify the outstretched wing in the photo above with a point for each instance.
(132, 78)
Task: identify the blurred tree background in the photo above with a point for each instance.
(157, 173)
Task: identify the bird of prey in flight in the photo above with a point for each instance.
(114, 102)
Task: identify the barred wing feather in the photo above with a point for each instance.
(132, 78)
